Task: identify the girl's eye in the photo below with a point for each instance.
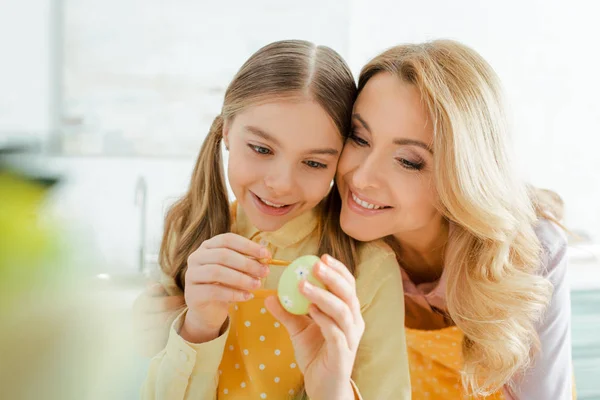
(260, 150)
(410, 165)
(359, 141)
(315, 165)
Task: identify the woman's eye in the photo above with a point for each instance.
(356, 139)
(316, 165)
(417, 166)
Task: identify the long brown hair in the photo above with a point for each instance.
(280, 69)
(494, 293)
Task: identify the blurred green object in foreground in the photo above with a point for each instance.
(28, 246)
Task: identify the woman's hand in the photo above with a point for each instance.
(325, 343)
(223, 270)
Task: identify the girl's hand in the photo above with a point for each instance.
(325, 343)
(224, 269)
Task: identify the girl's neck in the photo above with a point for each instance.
(421, 254)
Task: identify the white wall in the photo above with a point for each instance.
(546, 54)
(25, 67)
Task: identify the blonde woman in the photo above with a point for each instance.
(427, 166)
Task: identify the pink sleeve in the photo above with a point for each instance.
(551, 373)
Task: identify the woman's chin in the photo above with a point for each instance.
(357, 232)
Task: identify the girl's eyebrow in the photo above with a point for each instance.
(264, 135)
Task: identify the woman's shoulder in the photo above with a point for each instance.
(554, 243)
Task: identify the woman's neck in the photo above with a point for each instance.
(421, 253)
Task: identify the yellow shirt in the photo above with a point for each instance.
(254, 358)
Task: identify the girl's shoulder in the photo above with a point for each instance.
(377, 266)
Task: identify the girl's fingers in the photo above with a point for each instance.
(205, 293)
(331, 271)
(330, 305)
(222, 275)
(337, 285)
(229, 258)
(329, 329)
(339, 268)
(238, 244)
(293, 323)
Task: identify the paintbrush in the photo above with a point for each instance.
(274, 261)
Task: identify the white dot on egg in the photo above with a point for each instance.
(263, 310)
(277, 379)
(225, 391)
(261, 367)
(263, 395)
(247, 323)
(293, 365)
(262, 338)
(277, 352)
(243, 384)
(246, 352)
(277, 324)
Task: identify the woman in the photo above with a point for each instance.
(428, 167)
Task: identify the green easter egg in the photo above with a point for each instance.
(288, 292)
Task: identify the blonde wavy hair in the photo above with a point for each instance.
(494, 293)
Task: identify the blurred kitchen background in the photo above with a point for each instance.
(116, 96)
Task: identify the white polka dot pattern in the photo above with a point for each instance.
(258, 353)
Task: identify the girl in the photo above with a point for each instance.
(483, 264)
(284, 120)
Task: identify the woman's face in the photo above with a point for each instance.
(385, 173)
(282, 159)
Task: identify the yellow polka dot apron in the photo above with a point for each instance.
(258, 360)
(435, 360)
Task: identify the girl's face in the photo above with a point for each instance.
(282, 159)
(385, 174)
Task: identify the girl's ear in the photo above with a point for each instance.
(226, 126)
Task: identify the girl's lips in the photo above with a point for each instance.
(270, 210)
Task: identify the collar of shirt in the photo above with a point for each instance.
(291, 233)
